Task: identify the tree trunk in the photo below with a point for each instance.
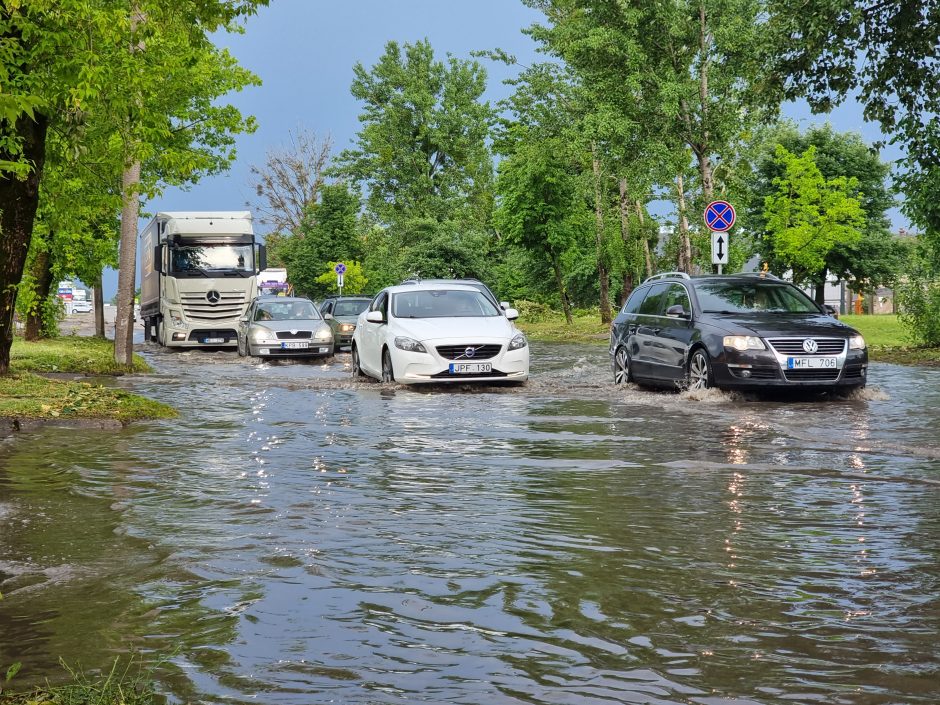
(42, 273)
(626, 287)
(18, 201)
(602, 273)
(646, 241)
(127, 267)
(820, 292)
(685, 241)
(99, 307)
(704, 162)
(562, 292)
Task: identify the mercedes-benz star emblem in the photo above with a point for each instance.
(213, 296)
(810, 345)
(469, 352)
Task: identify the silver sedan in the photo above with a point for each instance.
(283, 326)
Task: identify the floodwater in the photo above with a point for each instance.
(297, 536)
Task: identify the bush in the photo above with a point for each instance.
(532, 311)
(919, 303)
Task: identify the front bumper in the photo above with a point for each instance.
(431, 368)
(766, 369)
(317, 348)
(201, 337)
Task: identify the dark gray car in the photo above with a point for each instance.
(341, 313)
(733, 332)
(284, 326)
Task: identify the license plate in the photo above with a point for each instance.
(213, 341)
(812, 363)
(295, 345)
(469, 368)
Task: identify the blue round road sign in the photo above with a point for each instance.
(719, 216)
(340, 268)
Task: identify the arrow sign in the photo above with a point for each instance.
(720, 243)
(719, 216)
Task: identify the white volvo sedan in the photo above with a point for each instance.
(438, 332)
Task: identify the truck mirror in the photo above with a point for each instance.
(262, 257)
(158, 259)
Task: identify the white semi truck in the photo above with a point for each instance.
(198, 275)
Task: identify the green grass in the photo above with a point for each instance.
(71, 353)
(551, 327)
(124, 685)
(24, 394)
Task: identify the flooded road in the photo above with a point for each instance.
(300, 537)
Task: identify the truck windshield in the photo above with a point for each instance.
(199, 259)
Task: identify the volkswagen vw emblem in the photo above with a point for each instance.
(810, 345)
(213, 296)
(469, 352)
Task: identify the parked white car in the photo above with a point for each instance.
(438, 333)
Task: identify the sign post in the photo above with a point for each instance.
(719, 217)
(340, 270)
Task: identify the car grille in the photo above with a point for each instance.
(755, 372)
(290, 335)
(811, 375)
(794, 346)
(197, 308)
(459, 352)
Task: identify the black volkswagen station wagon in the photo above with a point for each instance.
(741, 331)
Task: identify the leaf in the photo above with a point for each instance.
(13, 670)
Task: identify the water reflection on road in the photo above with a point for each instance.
(298, 536)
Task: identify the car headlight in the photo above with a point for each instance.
(518, 342)
(856, 342)
(744, 342)
(409, 344)
(259, 334)
(324, 333)
(347, 327)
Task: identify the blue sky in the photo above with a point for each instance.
(304, 52)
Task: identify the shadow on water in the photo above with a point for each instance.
(300, 536)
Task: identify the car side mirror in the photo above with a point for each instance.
(512, 314)
(505, 305)
(327, 316)
(676, 311)
(375, 317)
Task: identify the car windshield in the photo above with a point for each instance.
(749, 297)
(350, 308)
(442, 303)
(286, 311)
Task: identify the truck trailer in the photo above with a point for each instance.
(198, 275)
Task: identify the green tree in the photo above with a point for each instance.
(809, 215)
(422, 149)
(354, 281)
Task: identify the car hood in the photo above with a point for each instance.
(773, 325)
(309, 324)
(465, 328)
(346, 319)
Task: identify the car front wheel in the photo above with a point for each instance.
(388, 374)
(700, 371)
(356, 367)
(622, 373)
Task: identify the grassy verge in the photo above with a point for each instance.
(889, 341)
(887, 338)
(71, 353)
(25, 395)
(124, 685)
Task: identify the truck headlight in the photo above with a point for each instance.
(176, 318)
(856, 342)
(409, 344)
(744, 342)
(518, 342)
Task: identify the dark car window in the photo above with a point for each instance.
(327, 308)
(286, 311)
(676, 295)
(380, 303)
(653, 303)
(749, 297)
(634, 301)
(350, 308)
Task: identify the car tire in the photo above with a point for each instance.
(388, 372)
(356, 367)
(622, 372)
(241, 350)
(700, 371)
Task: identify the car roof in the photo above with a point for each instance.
(431, 285)
(698, 278)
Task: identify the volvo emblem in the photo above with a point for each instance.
(469, 352)
(810, 346)
(213, 296)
